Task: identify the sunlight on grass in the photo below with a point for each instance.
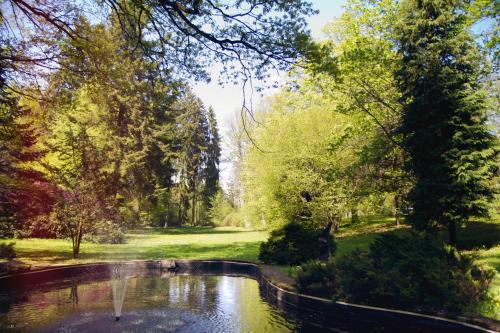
(170, 243)
(491, 257)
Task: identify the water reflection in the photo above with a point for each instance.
(160, 303)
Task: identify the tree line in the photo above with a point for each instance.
(389, 111)
(111, 141)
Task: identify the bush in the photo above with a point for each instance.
(105, 232)
(7, 251)
(233, 219)
(223, 213)
(39, 227)
(292, 244)
(412, 272)
(317, 279)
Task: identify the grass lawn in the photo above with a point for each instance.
(170, 243)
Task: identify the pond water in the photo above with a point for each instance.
(160, 303)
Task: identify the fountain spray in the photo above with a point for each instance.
(119, 286)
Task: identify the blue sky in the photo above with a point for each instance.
(227, 100)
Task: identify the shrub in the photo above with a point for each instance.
(6, 227)
(7, 251)
(223, 213)
(292, 244)
(39, 227)
(105, 232)
(233, 219)
(412, 272)
(318, 279)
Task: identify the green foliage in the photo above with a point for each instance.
(292, 244)
(487, 10)
(317, 279)
(223, 213)
(105, 232)
(142, 151)
(24, 192)
(7, 251)
(445, 109)
(333, 137)
(412, 272)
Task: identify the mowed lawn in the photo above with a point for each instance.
(159, 243)
(232, 243)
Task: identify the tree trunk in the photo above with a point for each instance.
(397, 209)
(74, 294)
(193, 208)
(335, 220)
(354, 215)
(452, 233)
(324, 245)
(77, 241)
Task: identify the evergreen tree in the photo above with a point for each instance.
(192, 128)
(24, 192)
(212, 159)
(444, 126)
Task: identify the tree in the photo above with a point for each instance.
(212, 159)
(362, 42)
(192, 148)
(109, 126)
(247, 37)
(24, 192)
(444, 127)
(301, 169)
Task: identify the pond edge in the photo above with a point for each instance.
(321, 312)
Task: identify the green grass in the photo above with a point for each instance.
(361, 235)
(491, 257)
(170, 243)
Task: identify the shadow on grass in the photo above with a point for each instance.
(186, 231)
(475, 235)
(237, 250)
(362, 241)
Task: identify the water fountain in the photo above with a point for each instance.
(119, 285)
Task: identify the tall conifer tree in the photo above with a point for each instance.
(444, 125)
(212, 158)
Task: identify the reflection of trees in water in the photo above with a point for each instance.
(240, 298)
(73, 296)
(193, 292)
(234, 303)
(6, 301)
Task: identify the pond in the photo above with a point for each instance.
(201, 296)
(151, 303)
